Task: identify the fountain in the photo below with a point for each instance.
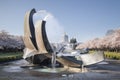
(38, 48)
(53, 61)
(39, 51)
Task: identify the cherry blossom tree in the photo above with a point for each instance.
(10, 42)
(109, 42)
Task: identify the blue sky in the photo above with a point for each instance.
(83, 19)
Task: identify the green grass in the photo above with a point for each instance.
(4, 57)
(110, 55)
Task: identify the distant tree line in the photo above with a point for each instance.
(10, 43)
(73, 40)
(110, 42)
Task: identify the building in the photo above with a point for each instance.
(65, 38)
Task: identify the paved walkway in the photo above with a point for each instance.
(108, 70)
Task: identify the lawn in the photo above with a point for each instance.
(110, 55)
(4, 57)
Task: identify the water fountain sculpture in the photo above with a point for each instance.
(39, 51)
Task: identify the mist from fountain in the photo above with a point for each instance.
(54, 29)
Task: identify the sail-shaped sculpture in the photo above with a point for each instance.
(35, 38)
(41, 37)
(29, 35)
(38, 49)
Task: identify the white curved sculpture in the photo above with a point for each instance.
(38, 47)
